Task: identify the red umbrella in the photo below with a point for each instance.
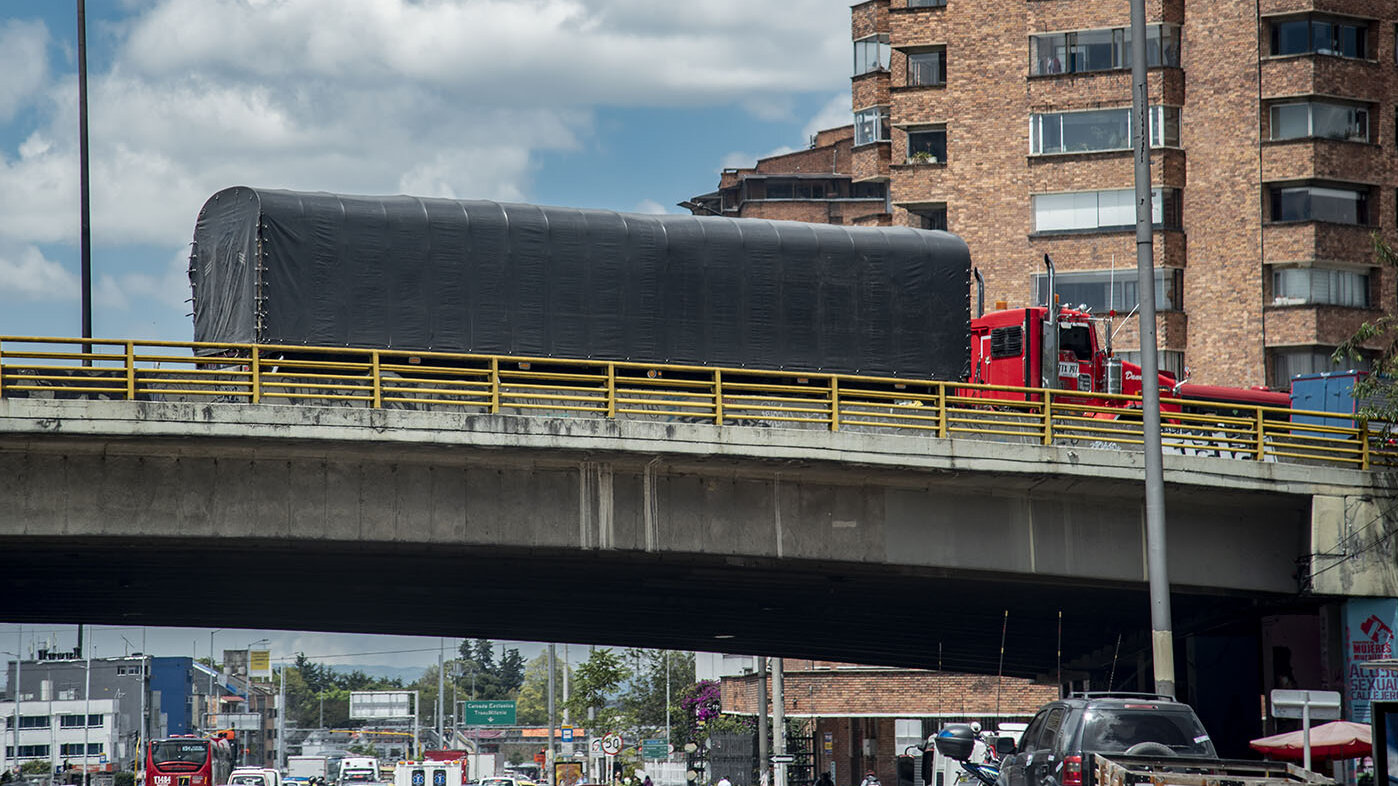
(1334, 740)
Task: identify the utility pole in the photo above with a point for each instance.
(764, 763)
(87, 708)
(1162, 637)
(553, 721)
(441, 690)
(281, 720)
(85, 220)
(778, 720)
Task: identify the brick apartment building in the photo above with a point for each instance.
(1272, 161)
(870, 718)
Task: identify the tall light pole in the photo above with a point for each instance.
(208, 700)
(14, 690)
(1162, 637)
(85, 221)
(87, 710)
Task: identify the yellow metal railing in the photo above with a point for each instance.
(556, 387)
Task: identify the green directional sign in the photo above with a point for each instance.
(488, 713)
(654, 749)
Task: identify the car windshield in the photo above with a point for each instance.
(254, 780)
(1114, 730)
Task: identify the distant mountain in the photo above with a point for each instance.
(407, 674)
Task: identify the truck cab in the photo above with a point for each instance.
(254, 776)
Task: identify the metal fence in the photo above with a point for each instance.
(248, 374)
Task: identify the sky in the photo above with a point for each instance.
(631, 105)
(334, 649)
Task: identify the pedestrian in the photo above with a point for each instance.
(724, 782)
(824, 780)
(647, 782)
(870, 779)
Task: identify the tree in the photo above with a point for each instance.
(596, 682)
(1377, 396)
(532, 705)
(479, 676)
(646, 700)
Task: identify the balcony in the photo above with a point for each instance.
(1299, 75)
(1327, 159)
(1312, 324)
(871, 161)
(1305, 241)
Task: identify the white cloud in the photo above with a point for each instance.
(834, 114)
(650, 206)
(24, 63)
(26, 274)
(741, 160)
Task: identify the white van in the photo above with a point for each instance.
(358, 770)
(254, 776)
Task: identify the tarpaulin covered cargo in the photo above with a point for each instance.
(281, 267)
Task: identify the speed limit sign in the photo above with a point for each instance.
(611, 744)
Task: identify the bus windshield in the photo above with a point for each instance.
(190, 752)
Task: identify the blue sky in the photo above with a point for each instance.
(629, 105)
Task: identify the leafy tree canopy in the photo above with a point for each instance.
(1376, 393)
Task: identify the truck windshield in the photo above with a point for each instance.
(246, 780)
(1113, 731)
(1076, 339)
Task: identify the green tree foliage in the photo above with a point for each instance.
(532, 705)
(1377, 395)
(478, 675)
(646, 699)
(312, 686)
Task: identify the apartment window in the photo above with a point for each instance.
(1101, 290)
(76, 749)
(926, 3)
(1290, 362)
(1171, 360)
(871, 125)
(1320, 286)
(869, 190)
(1101, 50)
(927, 67)
(871, 54)
(1103, 210)
(33, 721)
(76, 721)
(1098, 130)
(1320, 203)
(927, 145)
(1320, 35)
(1320, 119)
(29, 751)
(929, 217)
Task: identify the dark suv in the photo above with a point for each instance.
(1057, 748)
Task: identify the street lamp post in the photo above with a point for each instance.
(208, 716)
(14, 727)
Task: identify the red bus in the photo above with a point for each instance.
(188, 761)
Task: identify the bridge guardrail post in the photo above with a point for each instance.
(130, 371)
(718, 397)
(378, 380)
(495, 386)
(1364, 444)
(256, 393)
(611, 390)
(1048, 417)
(2, 370)
(1261, 435)
(834, 403)
(942, 408)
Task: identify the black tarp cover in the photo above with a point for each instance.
(282, 267)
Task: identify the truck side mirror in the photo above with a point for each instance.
(1004, 746)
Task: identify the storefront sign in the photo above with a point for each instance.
(1369, 635)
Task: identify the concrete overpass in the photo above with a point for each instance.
(857, 546)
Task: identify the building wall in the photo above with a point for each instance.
(1222, 166)
(891, 692)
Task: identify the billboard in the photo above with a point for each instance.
(375, 704)
(1369, 635)
(260, 663)
(238, 721)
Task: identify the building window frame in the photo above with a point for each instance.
(1286, 363)
(34, 722)
(1321, 286)
(1102, 290)
(927, 144)
(1171, 360)
(1107, 210)
(927, 3)
(932, 215)
(1298, 35)
(872, 124)
(1294, 203)
(926, 66)
(1355, 130)
(1048, 131)
(1101, 49)
(872, 53)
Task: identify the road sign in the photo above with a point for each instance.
(783, 758)
(611, 744)
(596, 746)
(379, 704)
(488, 713)
(1308, 705)
(654, 749)
(1324, 704)
(567, 733)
